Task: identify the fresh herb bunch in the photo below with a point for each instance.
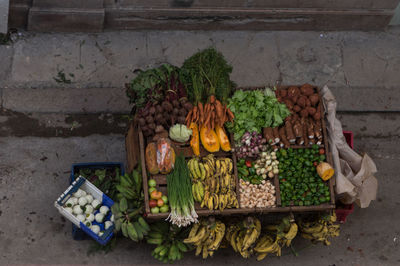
(207, 73)
(254, 110)
(104, 179)
(155, 85)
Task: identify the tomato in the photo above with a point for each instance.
(315, 164)
(160, 202)
(152, 203)
(248, 163)
(321, 151)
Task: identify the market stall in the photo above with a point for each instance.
(200, 149)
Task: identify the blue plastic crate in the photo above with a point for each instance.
(85, 185)
(79, 234)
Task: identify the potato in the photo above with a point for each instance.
(288, 103)
(283, 93)
(301, 101)
(293, 92)
(314, 99)
(311, 110)
(297, 108)
(304, 113)
(307, 90)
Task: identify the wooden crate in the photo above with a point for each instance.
(186, 150)
(161, 179)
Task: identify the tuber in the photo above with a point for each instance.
(268, 134)
(149, 119)
(159, 109)
(181, 119)
(283, 138)
(275, 130)
(175, 111)
(142, 121)
(297, 108)
(310, 129)
(159, 129)
(298, 129)
(167, 106)
(304, 113)
(289, 132)
(188, 106)
(288, 103)
(307, 89)
(293, 92)
(308, 102)
(314, 99)
(176, 104)
(311, 110)
(152, 110)
(317, 116)
(152, 126)
(283, 93)
(301, 101)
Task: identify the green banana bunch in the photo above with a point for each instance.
(129, 221)
(169, 241)
(130, 187)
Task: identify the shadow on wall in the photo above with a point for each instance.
(3, 16)
(396, 18)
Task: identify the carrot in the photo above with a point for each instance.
(219, 109)
(223, 116)
(189, 118)
(194, 116)
(201, 112)
(230, 114)
(212, 99)
(212, 120)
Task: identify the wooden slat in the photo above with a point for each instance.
(144, 173)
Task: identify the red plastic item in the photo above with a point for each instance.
(344, 210)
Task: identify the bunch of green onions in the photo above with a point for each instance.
(180, 195)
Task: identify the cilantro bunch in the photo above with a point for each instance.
(254, 110)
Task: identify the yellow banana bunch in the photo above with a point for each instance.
(219, 183)
(206, 236)
(198, 191)
(321, 229)
(243, 236)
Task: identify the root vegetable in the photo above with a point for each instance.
(289, 132)
(152, 110)
(188, 106)
(175, 111)
(304, 113)
(310, 129)
(149, 119)
(297, 108)
(314, 99)
(311, 110)
(297, 129)
(159, 109)
(283, 93)
(293, 92)
(268, 134)
(167, 106)
(175, 103)
(307, 90)
(288, 103)
(275, 130)
(142, 121)
(182, 112)
(283, 138)
(301, 101)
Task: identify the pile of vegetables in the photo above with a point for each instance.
(251, 145)
(299, 182)
(158, 202)
(303, 126)
(90, 211)
(254, 110)
(257, 195)
(180, 195)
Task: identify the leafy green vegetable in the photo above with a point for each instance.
(207, 73)
(255, 109)
(151, 85)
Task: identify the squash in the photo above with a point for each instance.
(195, 141)
(222, 138)
(151, 159)
(209, 139)
(325, 171)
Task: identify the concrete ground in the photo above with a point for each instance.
(46, 125)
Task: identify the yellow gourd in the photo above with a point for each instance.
(223, 138)
(195, 141)
(325, 171)
(209, 139)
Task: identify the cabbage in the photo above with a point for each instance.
(180, 133)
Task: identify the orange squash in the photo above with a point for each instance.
(209, 139)
(223, 138)
(195, 140)
(325, 171)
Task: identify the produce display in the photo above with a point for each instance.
(208, 149)
(299, 181)
(90, 211)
